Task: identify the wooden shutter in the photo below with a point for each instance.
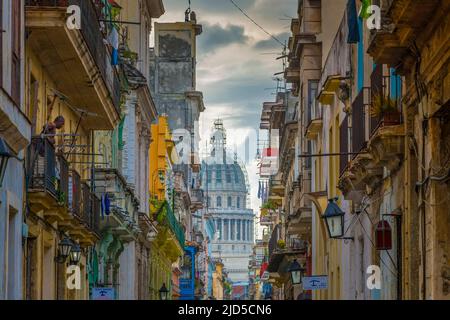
(16, 51)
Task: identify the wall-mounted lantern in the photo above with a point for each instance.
(64, 248)
(334, 220)
(75, 254)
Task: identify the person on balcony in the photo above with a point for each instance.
(50, 128)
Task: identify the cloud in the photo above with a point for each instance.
(206, 7)
(232, 70)
(271, 43)
(216, 36)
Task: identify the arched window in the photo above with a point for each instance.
(219, 202)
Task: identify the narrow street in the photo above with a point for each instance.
(227, 150)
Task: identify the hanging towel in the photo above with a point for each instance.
(113, 40)
(364, 9)
(352, 21)
(105, 205)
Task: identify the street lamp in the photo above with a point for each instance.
(163, 292)
(64, 248)
(5, 155)
(334, 219)
(75, 254)
(296, 271)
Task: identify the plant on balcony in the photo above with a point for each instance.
(264, 212)
(383, 106)
(61, 197)
(269, 205)
(281, 244)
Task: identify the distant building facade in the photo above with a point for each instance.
(225, 188)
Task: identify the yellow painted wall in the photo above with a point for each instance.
(160, 156)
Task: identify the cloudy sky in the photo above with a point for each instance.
(236, 64)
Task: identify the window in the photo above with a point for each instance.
(238, 202)
(229, 202)
(16, 51)
(187, 267)
(208, 175)
(219, 228)
(228, 175)
(225, 227)
(208, 201)
(236, 175)
(218, 175)
(232, 230)
(238, 233)
(312, 93)
(219, 202)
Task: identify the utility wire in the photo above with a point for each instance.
(257, 24)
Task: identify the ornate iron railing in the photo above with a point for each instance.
(43, 166)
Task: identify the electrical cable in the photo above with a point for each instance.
(257, 24)
(373, 245)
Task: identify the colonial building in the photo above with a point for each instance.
(226, 190)
(173, 85)
(15, 135)
(371, 112)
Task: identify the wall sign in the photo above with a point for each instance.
(315, 282)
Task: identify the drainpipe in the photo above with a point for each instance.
(423, 211)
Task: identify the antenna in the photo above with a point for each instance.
(187, 12)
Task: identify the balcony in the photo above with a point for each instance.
(166, 217)
(402, 22)
(56, 190)
(277, 188)
(379, 141)
(381, 86)
(292, 72)
(197, 199)
(265, 221)
(278, 251)
(43, 168)
(124, 210)
(78, 60)
(314, 122)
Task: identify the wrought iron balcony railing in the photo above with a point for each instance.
(42, 167)
(383, 86)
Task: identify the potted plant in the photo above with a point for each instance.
(281, 244)
(385, 108)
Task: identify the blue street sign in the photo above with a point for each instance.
(103, 293)
(315, 282)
